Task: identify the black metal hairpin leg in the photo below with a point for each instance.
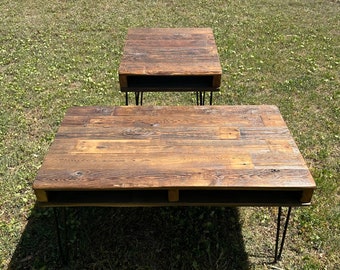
(139, 98)
(278, 252)
(63, 251)
(126, 98)
(200, 97)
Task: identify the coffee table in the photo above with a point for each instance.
(171, 60)
(175, 156)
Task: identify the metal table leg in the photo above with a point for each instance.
(278, 252)
(126, 98)
(200, 97)
(139, 98)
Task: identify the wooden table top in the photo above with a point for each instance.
(170, 52)
(242, 155)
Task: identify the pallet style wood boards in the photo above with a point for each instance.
(174, 155)
(170, 59)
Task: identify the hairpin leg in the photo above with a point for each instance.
(126, 98)
(139, 98)
(278, 252)
(201, 97)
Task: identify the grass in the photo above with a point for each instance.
(56, 54)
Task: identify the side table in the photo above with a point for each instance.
(170, 60)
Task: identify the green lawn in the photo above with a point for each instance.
(56, 54)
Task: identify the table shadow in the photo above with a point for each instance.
(134, 238)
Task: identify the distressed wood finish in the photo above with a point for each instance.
(170, 59)
(148, 156)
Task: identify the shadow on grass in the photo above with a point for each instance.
(135, 238)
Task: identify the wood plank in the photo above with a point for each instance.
(145, 133)
(162, 68)
(166, 46)
(181, 32)
(135, 146)
(307, 195)
(173, 195)
(180, 111)
(41, 195)
(145, 161)
(134, 178)
(155, 122)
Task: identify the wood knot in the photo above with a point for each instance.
(77, 174)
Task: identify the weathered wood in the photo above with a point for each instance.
(41, 195)
(175, 150)
(152, 53)
(173, 195)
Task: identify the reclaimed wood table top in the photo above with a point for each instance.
(158, 58)
(174, 155)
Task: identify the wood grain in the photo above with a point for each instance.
(176, 149)
(170, 52)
